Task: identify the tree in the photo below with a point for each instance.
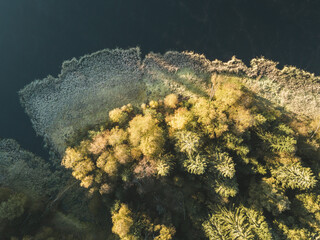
(13, 207)
(196, 164)
(223, 164)
(182, 119)
(280, 140)
(294, 176)
(228, 224)
(187, 142)
(165, 233)
(122, 222)
(308, 206)
(213, 121)
(145, 133)
(171, 101)
(117, 136)
(118, 115)
(179, 157)
(164, 164)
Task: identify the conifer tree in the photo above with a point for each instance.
(294, 176)
(228, 224)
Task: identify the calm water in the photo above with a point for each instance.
(37, 35)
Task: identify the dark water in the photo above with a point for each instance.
(37, 35)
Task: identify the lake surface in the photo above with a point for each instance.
(36, 36)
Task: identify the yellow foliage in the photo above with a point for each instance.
(122, 153)
(171, 101)
(111, 166)
(181, 119)
(136, 153)
(146, 134)
(164, 164)
(83, 148)
(295, 233)
(153, 104)
(309, 209)
(152, 145)
(283, 159)
(108, 163)
(315, 127)
(268, 195)
(122, 221)
(118, 116)
(242, 118)
(203, 110)
(259, 119)
(71, 157)
(86, 181)
(127, 108)
(166, 233)
(99, 142)
(102, 159)
(163, 168)
(82, 168)
(143, 106)
(212, 120)
(117, 136)
(140, 126)
(228, 93)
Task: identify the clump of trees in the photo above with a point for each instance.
(227, 166)
(232, 166)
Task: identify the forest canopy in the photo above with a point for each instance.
(230, 167)
(172, 147)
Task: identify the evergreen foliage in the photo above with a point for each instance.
(187, 142)
(236, 223)
(224, 164)
(294, 176)
(196, 164)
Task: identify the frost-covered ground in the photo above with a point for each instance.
(86, 89)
